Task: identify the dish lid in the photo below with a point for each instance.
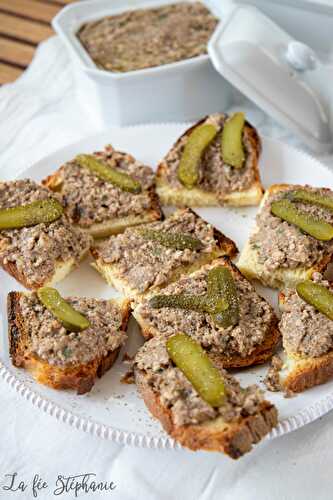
(275, 71)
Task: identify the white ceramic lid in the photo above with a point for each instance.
(275, 71)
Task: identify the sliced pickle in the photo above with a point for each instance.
(178, 241)
(232, 147)
(109, 174)
(318, 228)
(214, 305)
(317, 296)
(71, 319)
(32, 214)
(220, 283)
(195, 364)
(309, 197)
(197, 142)
(199, 303)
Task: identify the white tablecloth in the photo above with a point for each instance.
(38, 115)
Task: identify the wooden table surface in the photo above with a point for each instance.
(23, 24)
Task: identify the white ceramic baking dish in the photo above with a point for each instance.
(185, 90)
(181, 91)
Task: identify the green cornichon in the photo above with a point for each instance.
(116, 177)
(317, 296)
(220, 301)
(199, 303)
(197, 142)
(232, 147)
(318, 228)
(220, 283)
(197, 367)
(312, 198)
(178, 241)
(214, 304)
(34, 213)
(71, 319)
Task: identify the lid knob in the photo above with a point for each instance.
(300, 56)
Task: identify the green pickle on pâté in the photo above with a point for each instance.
(197, 142)
(317, 295)
(177, 241)
(220, 301)
(220, 283)
(318, 199)
(109, 174)
(71, 319)
(288, 211)
(197, 367)
(37, 212)
(232, 148)
(199, 303)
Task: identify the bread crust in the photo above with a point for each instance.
(308, 373)
(62, 269)
(250, 267)
(261, 353)
(197, 197)
(225, 246)
(233, 438)
(305, 372)
(79, 377)
(115, 225)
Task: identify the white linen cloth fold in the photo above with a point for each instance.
(38, 115)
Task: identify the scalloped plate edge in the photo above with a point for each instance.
(290, 424)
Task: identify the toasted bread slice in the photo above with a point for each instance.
(79, 376)
(105, 229)
(44, 254)
(174, 193)
(225, 357)
(92, 203)
(298, 374)
(158, 267)
(61, 270)
(195, 197)
(251, 267)
(293, 372)
(233, 436)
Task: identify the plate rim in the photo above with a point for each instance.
(107, 432)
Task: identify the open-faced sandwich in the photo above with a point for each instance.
(213, 163)
(197, 402)
(307, 334)
(65, 343)
(38, 245)
(106, 192)
(293, 236)
(220, 309)
(149, 257)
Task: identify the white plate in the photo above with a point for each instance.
(113, 410)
